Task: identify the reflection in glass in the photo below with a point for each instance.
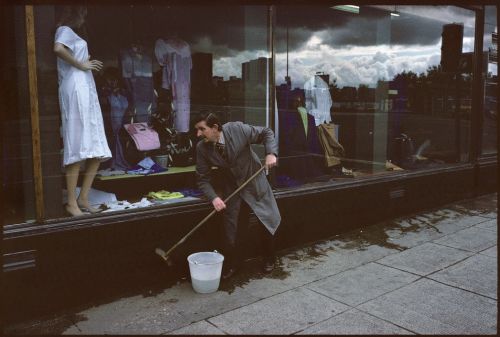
(17, 163)
(490, 116)
(163, 65)
(390, 98)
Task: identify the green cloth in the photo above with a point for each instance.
(303, 114)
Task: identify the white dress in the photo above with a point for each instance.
(82, 123)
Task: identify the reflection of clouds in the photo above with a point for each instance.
(345, 47)
(231, 66)
(314, 42)
(206, 45)
(468, 44)
(357, 65)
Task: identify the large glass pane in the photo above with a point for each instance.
(490, 123)
(17, 165)
(371, 90)
(162, 66)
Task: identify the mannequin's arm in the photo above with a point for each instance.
(61, 51)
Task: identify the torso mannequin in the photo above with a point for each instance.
(318, 99)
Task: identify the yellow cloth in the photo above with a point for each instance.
(164, 195)
(303, 114)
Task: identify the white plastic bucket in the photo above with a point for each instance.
(205, 269)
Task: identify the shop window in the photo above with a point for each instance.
(162, 66)
(490, 45)
(17, 164)
(364, 91)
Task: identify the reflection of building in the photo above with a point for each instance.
(254, 72)
(201, 76)
(451, 46)
(234, 89)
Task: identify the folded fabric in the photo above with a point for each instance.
(124, 204)
(164, 195)
(145, 167)
(146, 163)
(191, 192)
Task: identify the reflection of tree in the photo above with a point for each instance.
(434, 92)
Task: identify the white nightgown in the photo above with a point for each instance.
(82, 123)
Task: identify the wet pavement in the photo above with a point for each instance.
(432, 272)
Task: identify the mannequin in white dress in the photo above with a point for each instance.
(82, 124)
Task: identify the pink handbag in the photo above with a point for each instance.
(145, 138)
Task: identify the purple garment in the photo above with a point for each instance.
(174, 55)
(118, 105)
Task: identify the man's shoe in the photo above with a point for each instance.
(268, 266)
(229, 273)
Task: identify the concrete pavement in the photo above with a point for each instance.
(433, 272)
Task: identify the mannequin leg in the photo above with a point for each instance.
(92, 165)
(72, 171)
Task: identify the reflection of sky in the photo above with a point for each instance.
(362, 49)
(353, 49)
(352, 66)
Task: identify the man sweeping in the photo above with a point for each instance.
(228, 147)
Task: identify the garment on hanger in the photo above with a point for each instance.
(318, 99)
(174, 55)
(332, 148)
(137, 71)
(118, 105)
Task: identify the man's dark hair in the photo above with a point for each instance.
(210, 119)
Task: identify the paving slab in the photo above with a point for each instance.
(449, 220)
(485, 206)
(348, 258)
(198, 328)
(491, 252)
(355, 322)
(429, 226)
(48, 326)
(425, 259)
(491, 225)
(429, 307)
(358, 285)
(413, 239)
(471, 239)
(478, 273)
(172, 309)
(310, 264)
(285, 313)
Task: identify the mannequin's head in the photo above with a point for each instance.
(73, 16)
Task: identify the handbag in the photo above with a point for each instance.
(145, 138)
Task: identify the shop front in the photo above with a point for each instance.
(377, 110)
